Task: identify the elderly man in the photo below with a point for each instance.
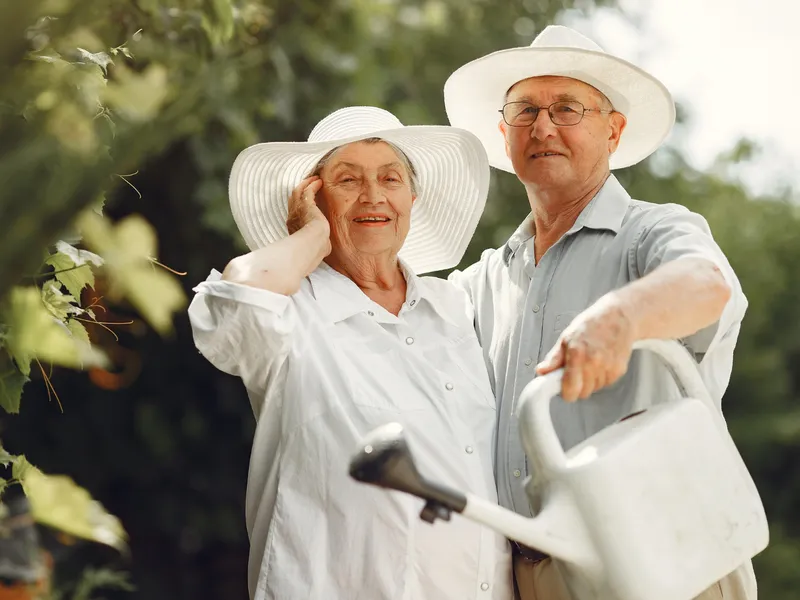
(590, 271)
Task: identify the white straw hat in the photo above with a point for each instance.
(452, 174)
(475, 92)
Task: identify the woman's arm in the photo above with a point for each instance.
(282, 265)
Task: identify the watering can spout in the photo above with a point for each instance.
(557, 530)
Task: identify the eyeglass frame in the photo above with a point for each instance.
(550, 114)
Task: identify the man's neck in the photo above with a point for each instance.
(555, 212)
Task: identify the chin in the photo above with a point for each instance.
(374, 247)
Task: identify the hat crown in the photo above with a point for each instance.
(353, 121)
(558, 36)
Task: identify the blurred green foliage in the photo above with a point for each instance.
(163, 95)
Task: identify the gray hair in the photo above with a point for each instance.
(406, 162)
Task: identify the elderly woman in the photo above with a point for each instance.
(333, 334)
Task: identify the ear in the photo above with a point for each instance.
(501, 125)
(617, 123)
(413, 199)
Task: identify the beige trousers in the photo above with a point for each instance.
(542, 581)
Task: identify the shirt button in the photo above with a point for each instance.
(370, 313)
(536, 308)
(517, 473)
(528, 362)
(448, 385)
(484, 586)
(409, 340)
(412, 303)
(468, 449)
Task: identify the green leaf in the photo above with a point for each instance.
(11, 384)
(100, 203)
(78, 255)
(100, 59)
(5, 458)
(21, 469)
(94, 579)
(78, 331)
(129, 247)
(138, 97)
(59, 304)
(34, 332)
(3, 486)
(58, 502)
(72, 275)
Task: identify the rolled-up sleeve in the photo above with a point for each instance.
(242, 330)
(676, 234)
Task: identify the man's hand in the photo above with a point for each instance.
(303, 207)
(593, 350)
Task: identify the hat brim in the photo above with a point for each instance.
(475, 92)
(452, 172)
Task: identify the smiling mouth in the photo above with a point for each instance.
(371, 220)
(545, 154)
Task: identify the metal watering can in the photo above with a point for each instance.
(659, 505)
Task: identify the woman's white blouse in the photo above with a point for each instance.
(322, 368)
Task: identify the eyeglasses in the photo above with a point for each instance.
(563, 113)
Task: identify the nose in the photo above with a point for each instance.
(543, 127)
(371, 193)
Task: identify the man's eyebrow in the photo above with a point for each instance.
(560, 98)
(391, 165)
(566, 98)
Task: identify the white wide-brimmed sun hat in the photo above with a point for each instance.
(475, 92)
(452, 175)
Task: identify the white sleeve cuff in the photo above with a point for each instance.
(214, 285)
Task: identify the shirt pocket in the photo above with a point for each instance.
(562, 320)
(459, 360)
(377, 375)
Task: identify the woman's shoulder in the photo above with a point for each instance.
(447, 295)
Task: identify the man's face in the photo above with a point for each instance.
(552, 157)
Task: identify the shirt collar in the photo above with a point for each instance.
(605, 211)
(340, 298)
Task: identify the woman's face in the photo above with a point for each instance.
(366, 196)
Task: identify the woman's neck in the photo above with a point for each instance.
(379, 277)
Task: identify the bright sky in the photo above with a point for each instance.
(734, 64)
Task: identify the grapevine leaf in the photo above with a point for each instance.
(72, 276)
(59, 304)
(35, 333)
(58, 502)
(78, 331)
(11, 384)
(21, 468)
(129, 246)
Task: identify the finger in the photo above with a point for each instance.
(574, 365)
(315, 185)
(554, 360)
(301, 187)
(572, 383)
(590, 384)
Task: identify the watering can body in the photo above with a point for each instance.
(658, 506)
(660, 503)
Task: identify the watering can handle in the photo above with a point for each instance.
(536, 427)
